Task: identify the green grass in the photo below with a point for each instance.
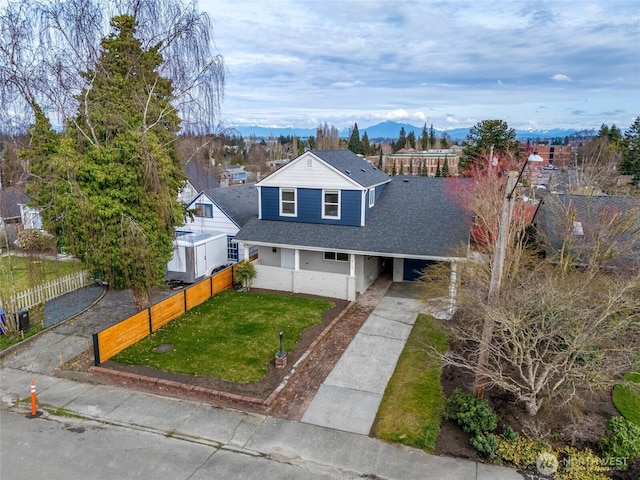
(626, 398)
(16, 275)
(231, 336)
(410, 411)
(36, 324)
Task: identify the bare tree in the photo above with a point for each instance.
(553, 334)
(46, 45)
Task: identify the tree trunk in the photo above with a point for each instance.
(142, 299)
(532, 405)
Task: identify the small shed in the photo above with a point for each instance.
(196, 255)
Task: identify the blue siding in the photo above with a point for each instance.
(368, 209)
(309, 206)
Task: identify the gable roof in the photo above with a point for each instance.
(200, 174)
(413, 217)
(239, 203)
(353, 166)
(10, 200)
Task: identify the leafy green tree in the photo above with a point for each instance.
(118, 208)
(355, 144)
(483, 136)
(444, 141)
(630, 162)
(424, 138)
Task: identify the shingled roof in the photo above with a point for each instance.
(355, 167)
(239, 202)
(414, 217)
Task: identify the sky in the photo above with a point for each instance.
(535, 64)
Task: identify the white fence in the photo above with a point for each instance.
(47, 291)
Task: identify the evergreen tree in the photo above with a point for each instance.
(424, 138)
(380, 161)
(411, 140)
(119, 207)
(411, 166)
(487, 134)
(366, 146)
(444, 141)
(432, 137)
(630, 162)
(445, 167)
(355, 144)
(401, 142)
(438, 169)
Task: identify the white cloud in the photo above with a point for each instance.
(344, 62)
(559, 77)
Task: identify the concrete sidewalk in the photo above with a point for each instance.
(349, 397)
(225, 429)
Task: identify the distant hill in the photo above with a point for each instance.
(388, 130)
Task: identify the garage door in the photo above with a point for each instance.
(413, 268)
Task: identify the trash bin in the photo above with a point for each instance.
(22, 320)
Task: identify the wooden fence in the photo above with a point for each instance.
(47, 291)
(114, 339)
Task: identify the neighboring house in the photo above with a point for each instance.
(200, 178)
(217, 213)
(584, 223)
(235, 174)
(15, 215)
(329, 223)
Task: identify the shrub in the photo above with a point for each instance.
(520, 451)
(244, 273)
(34, 240)
(474, 415)
(623, 442)
(485, 444)
(581, 465)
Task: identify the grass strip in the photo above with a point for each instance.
(410, 411)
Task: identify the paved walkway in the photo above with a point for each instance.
(349, 397)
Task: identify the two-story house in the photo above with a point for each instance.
(329, 223)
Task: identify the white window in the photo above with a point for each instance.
(288, 207)
(331, 204)
(372, 197)
(336, 256)
(204, 210)
(232, 249)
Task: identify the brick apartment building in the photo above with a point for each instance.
(416, 162)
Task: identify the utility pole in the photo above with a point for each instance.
(497, 267)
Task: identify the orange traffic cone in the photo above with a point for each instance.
(34, 411)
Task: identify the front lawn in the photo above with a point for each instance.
(16, 275)
(232, 336)
(410, 412)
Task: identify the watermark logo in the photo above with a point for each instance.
(547, 463)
